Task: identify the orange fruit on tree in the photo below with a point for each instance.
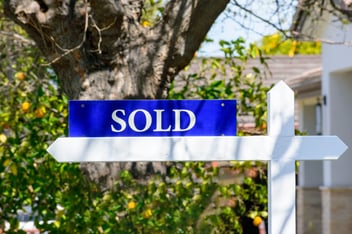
(131, 205)
(25, 106)
(257, 221)
(39, 112)
(20, 76)
(147, 213)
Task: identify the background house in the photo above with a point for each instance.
(326, 187)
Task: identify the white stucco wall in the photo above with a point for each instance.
(337, 111)
(338, 122)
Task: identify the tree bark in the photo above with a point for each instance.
(100, 50)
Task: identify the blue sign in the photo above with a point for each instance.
(152, 118)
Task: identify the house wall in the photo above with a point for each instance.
(336, 192)
(309, 119)
(335, 200)
(307, 115)
(339, 173)
(337, 111)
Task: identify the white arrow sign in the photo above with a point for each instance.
(280, 148)
(263, 148)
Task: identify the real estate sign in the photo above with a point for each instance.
(152, 118)
(197, 131)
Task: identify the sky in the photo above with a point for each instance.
(227, 29)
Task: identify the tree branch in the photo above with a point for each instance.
(267, 21)
(190, 21)
(68, 51)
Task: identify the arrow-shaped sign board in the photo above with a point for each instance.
(280, 148)
(262, 148)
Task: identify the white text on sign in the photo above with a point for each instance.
(120, 118)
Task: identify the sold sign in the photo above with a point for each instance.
(152, 118)
(202, 130)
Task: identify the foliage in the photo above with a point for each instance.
(152, 12)
(231, 77)
(33, 113)
(276, 44)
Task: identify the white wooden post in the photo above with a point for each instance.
(281, 148)
(282, 185)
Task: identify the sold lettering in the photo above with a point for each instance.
(122, 120)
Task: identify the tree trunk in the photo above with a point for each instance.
(100, 50)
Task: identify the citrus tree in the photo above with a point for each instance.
(189, 198)
(32, 111)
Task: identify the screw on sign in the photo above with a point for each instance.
(281, 148)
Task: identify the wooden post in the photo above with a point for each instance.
(281, 171)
